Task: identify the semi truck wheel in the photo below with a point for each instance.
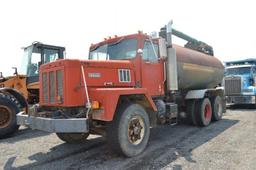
(8, 111)
(73, 137)
(217, 108)
(128, 133)
(203, 112)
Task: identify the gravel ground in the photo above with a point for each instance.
(227, 144)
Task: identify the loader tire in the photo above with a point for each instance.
(8, 111)
(129, 131)
(73, 138)
(217, 108)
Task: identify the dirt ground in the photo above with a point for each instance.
(227, 144)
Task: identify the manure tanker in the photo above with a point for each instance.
(197, 70)
(128, 85)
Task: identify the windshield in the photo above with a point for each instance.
(238, 71)
(33, 56)
(120, 50)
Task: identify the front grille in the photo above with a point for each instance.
(60, 84)
(52, 87)
(45, 88)
(232, 85)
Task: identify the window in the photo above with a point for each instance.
(33, 66)
(150, 53)
(238, 71)
(50, 55)
(120, 50)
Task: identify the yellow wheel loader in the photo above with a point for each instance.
(19, 91)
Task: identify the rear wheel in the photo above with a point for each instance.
(73, 137)
(203, 112)
(128, 133)
(190, 110)
(8, 111)
(217, 108)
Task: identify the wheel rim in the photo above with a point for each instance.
(136, 130)
(6, 116)
(207, 112)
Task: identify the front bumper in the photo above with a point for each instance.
(241, 99)
(72, 125)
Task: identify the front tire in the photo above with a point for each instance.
(128, 133)
(8, 111)
(73, 138)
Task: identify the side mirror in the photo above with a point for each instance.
(162, 48)
(140, 51)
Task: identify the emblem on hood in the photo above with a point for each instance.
(94, 75)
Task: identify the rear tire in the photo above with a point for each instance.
(8, 111)
(73, 137)
(129, 131)
(217, 108)
(190, 109)
(203, 112)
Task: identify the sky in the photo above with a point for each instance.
(229, 26)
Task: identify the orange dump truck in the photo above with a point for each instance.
(129, 84)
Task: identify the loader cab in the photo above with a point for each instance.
(36, 55)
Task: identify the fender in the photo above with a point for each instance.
(196, 94)
(21, 99)
(199, 94)
(109, 97)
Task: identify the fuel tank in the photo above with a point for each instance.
(197, 70)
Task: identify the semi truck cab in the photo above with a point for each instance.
(240, 81)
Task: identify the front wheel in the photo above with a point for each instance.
(8, 111)
(128, 133)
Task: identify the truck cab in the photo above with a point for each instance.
(128, 84)
(240, 81)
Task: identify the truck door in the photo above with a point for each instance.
(152, 69)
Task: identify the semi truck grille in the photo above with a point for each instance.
(52, 87)
(232, 85)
